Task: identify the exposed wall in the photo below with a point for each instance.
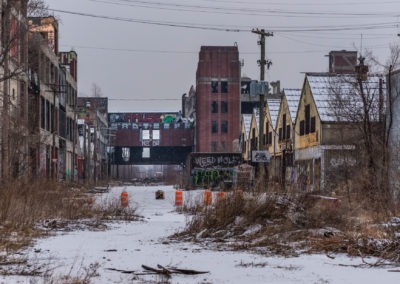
(218, 64)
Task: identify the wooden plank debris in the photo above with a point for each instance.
(167, 271)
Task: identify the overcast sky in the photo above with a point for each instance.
(143, 54)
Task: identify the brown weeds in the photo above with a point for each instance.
(285, 223)
(28, 210)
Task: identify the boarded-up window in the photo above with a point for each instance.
(146, 152)
(307, 118)
(283, 127)
(156, 134)
(302, 130)
(266, 142)
(312, 127)
(146, 134)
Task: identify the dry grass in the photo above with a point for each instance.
(28, 210)
(287, 223)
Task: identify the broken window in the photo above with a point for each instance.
(214, 87)
(302, 130)
(126, 154)
(224, 87)
(224, 107)
(312, 127)
(307, 117)
(214, 107)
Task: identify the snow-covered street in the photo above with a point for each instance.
(128, 245)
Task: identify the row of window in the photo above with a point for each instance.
(214, 107)
(219, 87)
(48, 119)
(214, 126)
(307, 125)
(156, 125)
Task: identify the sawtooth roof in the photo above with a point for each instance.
(338, 97)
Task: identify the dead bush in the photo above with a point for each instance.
(255, 208)
(283, 222)
(30, 209)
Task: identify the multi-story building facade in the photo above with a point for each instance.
(94, 133)
(218, 99)
(13, 88)
(69, 150)
(52, 98)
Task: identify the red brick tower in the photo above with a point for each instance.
(217, 99)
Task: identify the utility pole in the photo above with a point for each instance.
(262, 62)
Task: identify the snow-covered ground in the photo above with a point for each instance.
(128, 245)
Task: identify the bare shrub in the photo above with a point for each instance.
(28, 210)
(257, 208)
(111, 210)
(284, 222)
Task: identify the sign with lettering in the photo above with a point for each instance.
(215, 160)
(260, 156)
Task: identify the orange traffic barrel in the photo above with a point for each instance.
(207, 197)
(124, 199)
(221, 196)
(178, 198)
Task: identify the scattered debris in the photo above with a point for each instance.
(160, 194)
(99, 189)
(161, 270)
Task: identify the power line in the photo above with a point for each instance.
(150, 22)
(132, 50)
(179, 52)
(283, 29)
(242, 10)
(302, 4)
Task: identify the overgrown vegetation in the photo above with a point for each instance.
(289, 223)
(30, 210)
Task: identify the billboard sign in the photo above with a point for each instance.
(260, 156)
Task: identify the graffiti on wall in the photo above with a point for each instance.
(215, 160)
(210, 169)
(211, 177)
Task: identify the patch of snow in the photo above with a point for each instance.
(128, 245)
